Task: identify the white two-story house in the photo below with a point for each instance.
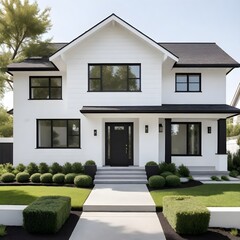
(118, 97)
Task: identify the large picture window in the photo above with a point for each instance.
(60, 133)
(45, 88)
(114, 77)
(186, 139)
(188, 82)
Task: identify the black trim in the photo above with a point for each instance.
(101, 76)
(222, 137)
(181, 65)
(188, 83)
(187, 139)
(37, 128)
(49, 87)
(168, 141)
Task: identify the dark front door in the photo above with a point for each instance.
(119, 144)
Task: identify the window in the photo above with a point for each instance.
(60, 133)
(186, 82)
(114, 78)
(186, 139)
(45, 88)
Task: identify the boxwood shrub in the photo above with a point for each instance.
(46, 178)
(67, 168)
(35, 178)
(46, 214)
(186, 215)
(43, 168)
(69, 178)
(77, 167)
(156, 181)
(183, 171)
(55, 168)
(7, 177)
(22, 177)
(32, 168)
(58, 178)
(165, 174)
(167, 167)
(20, 167)
(83, 181)
(172, 181)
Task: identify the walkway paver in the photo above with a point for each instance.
(119, 198)
(118, 226)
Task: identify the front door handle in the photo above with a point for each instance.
(126, 149)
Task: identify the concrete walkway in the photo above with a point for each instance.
(119, 211)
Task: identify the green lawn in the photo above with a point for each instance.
(211, 195)
(23, 195)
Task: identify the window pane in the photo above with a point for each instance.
(56, 93)
(73, 133)
(179, 139)
(194, 139)
(181, 87)
(114, 78)
(95, 72)
(194, 78)
(59, 133)
(194, 87)
(134, 84)
(44, 133)
(56, 82)
(134, 71)
(181, 78)
(95, 85)
(40, 93)
(39, 82)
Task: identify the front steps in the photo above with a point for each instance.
(120, 175)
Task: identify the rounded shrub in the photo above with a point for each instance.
(183, 171)
(67, 168)
(69, 178)
(165, 174)
(22, 177)
(43, 168)
(234, 173)
(46, 178)
(90, 163)
(83, 181)
(32, 168)
(167, 167)
(9, 167)
(77, 167)
(35, 178)
(156, 181)
(173, 181)
(56, 168)
(151, 163)
(58, 178)
(20, 167)
(8, 177)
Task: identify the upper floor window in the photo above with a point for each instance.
(114, 77)
(188, 82)
(45, 88)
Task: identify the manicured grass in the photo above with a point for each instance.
(23, 195)
(211, 195)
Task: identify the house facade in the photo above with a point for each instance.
(117, 97)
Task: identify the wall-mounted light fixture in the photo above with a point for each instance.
(146, 128)
(95, 132)
(209, 130)
(160, 127)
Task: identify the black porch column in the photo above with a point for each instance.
(168, 140)
(221, 136)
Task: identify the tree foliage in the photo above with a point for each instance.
(233, 130)
(6, 123)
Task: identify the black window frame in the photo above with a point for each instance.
(113, 64)
(188, 75)
(49, 87)
(187, 139)
(52, 147)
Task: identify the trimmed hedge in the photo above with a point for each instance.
(22, 177)
(186, 215)
(55, 168)
(58, 178)
(83, 181)
(156, 181)
(32, 168)
(165, 174)
(46, 178)
(183, 171)
(77, 167)
(20, 167)
(167, 167)
(43, 168)
(69, 178)
(8, 177)
(173, 181)
(35, 178)
(46, 214)
(67, 168)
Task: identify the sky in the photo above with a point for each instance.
(162, 20)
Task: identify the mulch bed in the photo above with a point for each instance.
(19, 233)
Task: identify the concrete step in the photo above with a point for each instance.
(113, 172)
(120, 181)
(121, 176)
(121, 168)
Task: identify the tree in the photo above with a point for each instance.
(6, 123)
(21, 28)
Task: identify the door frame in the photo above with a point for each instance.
(132, 139)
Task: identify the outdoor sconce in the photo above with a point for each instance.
(95, 132)
(209, 129)
(160, 127)
(146, 128)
